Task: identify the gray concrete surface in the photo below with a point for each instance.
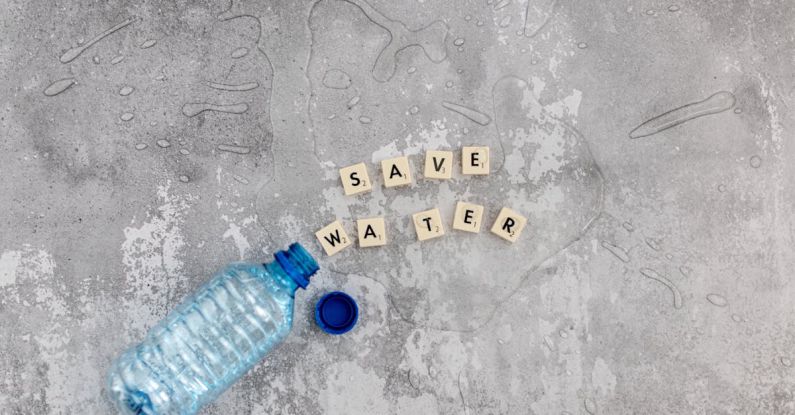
(655, 275)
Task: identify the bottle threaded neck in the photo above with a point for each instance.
(297, 263)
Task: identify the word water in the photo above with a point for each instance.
(428, 224)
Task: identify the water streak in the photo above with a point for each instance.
(73, 53)
(470, 113)
(537, 15)
(193, 109)
(650, 273)
(246, 86)
(430, 38)
(234, 149)
(59, 86)
(616, 250)
(718, 102)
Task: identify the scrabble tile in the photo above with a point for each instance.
(475, 160)
(396, 171)
(428, 224)
(372, 232)
(468, 217)
(509, 224)
(333, 238)
(438, 164)
(355, 179)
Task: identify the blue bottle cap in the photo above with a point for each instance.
(336, 312)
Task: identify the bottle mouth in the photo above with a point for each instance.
(297, 263)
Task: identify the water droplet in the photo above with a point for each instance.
(465, 130)
(549, 344)
(117, 59)
(616, 250)
(505, 22)
(651, 12)
(337, 79)
(163, 143)
(332, 116)
(365, 120)
(502, 4)
(467, 112)
(459, 41)
(411, 69)
(126, 90)
(140, 146)
(239, 53)
(755, 161)
(722, 188)
(738, 110)
(785, 361)
(95, 59)
(460, 48)
(160, 77)
(234, 149)
(717, 299)
(563, 334)
(148, 44)
(414, 109)
(653, 244)
(73, 53)
(686, 271)
(628, 226)
(673, 8)
(716, 103)
(448, 84)
(353, 101)
(582, 45)
(59, 86)
(127, 116)
(184, 178)
(195, 108)
(479, 23)
(241, 179)
(246, 86)
(736, 318)
(652, 274)
(184, 151)
(590, 406)
(467, 18)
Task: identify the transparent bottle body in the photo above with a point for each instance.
(206, 343)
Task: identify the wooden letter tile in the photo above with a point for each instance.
(355, 179)
(475, 160)
(468, 217)
(438, 164)
(396, 171)
(509, 224)
(333, 238)
(372, 232)
(428, 224)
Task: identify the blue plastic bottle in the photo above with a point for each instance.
(212, 338)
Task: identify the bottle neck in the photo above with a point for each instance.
(297, 263)
(281, 276)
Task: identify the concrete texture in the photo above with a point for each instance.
(655, 274)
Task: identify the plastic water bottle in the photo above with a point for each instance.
(214, 337)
